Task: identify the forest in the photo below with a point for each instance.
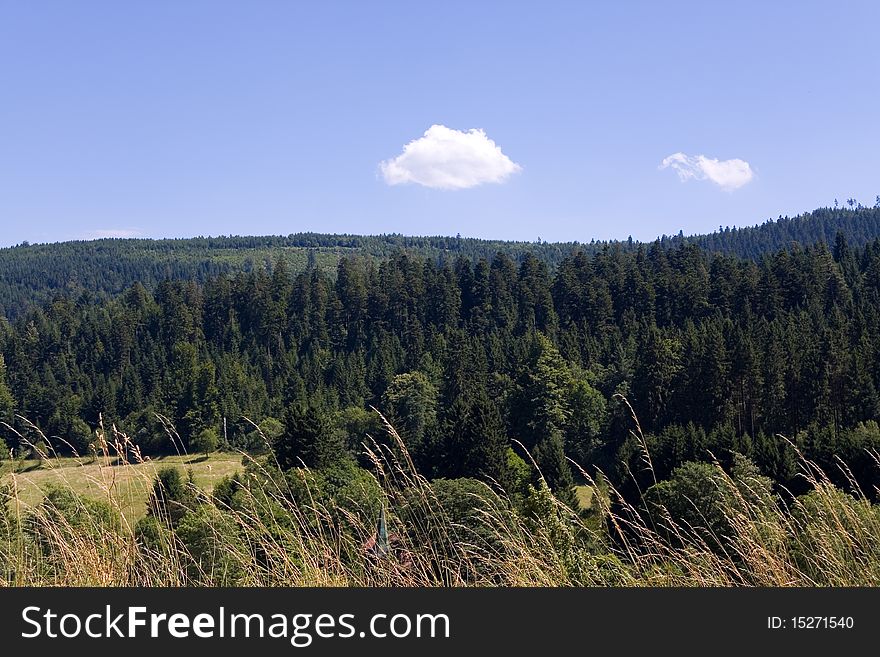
(103, 268)
(639, 371)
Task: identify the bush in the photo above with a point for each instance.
(701, 500)
(340, 488)
(572, 552)
(148, 433)
(214, 547)
(66, 524)
(259, 440)
(454, 517)
(172, 496)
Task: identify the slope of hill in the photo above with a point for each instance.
(103, 268)
(36, 273)
(858, 226)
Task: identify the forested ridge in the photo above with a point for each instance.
(106, 267)
(481, 364)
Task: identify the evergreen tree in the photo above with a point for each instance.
(172, 496)
(539, 406)
(472, 440)
(550, 457)
(7, 405)
(308, 439)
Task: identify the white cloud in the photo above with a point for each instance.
(727, 174)
(101, 233)
(444, 158)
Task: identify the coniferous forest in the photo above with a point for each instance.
(645, 376)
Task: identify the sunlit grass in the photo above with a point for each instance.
(105, 478)
(828, 538)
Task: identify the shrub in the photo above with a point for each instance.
(700, 500)
(216, 556)
(171, 496)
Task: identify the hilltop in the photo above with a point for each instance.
(104, 268)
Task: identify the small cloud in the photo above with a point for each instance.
(102, 233)
(444, 158)
(727, 174)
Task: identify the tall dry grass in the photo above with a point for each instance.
(827, 538)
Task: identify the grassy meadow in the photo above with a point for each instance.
(126, 485)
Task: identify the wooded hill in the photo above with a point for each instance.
(470, 356)
(103, 268)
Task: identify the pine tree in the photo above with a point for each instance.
(539, 406)
(486, 456)
(472, 441)
(308, 439)
(7, 403)
(550, 457)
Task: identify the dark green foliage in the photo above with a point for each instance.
(701, 498)
(259, 440)
(410, 404)
(472, 440)
(224, 491)
(341, 489)
(519, 476)
(361, 431)
(149, 433)
(541, 412)
(309, 440)
(580, 552)
(550, 457)
(812, 546)
(7, 402)
(466, 502)
(64, 517)
(739, 352)
(97, 269)
(213, 546)
(460, 512)
(540, 405)
(153, 535)
(172, 496)
(205, 441)
(468, 347)
(586, 423)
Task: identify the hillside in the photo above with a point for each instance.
(716, 353)
(102, 268)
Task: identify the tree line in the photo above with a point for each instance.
(104, 268)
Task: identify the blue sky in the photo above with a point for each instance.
(180, 118)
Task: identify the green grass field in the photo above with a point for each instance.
(584, 496)
(125, 486)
